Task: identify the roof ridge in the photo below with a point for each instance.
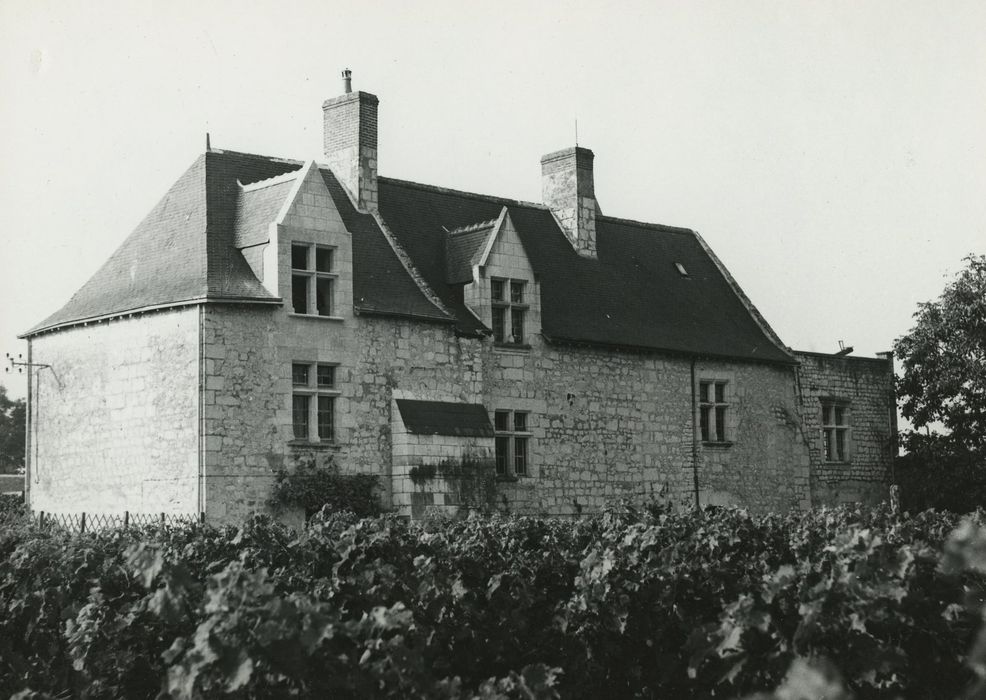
(463, 193)
(469, 228)
(269, 182)
(665, 228)
(276, 159)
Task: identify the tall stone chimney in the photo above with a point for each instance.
(350, 141)
(568, 190)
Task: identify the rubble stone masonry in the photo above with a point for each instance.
(865, 387)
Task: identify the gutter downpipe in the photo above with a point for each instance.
(698, 505)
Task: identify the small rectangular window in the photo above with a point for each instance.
(501, 420)
(299, 405)
(499, 324)
(323, 259)
(299, 294)
(502, 450)
(299, 375)
(713, 409)
(323, 296)
(512, 438)
(326, 376)
(520, 456)
(508, 314)
(312, 279)
(299, 256)
(516, 325)
(313, 401)
(835, 430)
(516, 292)
(326, 414)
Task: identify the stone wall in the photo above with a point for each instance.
(865, 387)
(114, 422)
(448, 474)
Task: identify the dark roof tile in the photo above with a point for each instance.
(445, 418)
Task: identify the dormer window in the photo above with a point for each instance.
(509, 307)
(312, 279)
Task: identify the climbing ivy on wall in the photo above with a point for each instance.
(311, 486)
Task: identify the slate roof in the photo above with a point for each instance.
(463, 248)
(445, 418)
(631, 296)
(257, 207)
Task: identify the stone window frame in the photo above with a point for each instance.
(512, 439)
(325, 395)
(311, 275)
(515, 308)
(835, 430)
(713, 411)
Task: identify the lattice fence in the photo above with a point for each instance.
(90, 522)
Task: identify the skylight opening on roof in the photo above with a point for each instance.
(681, 269)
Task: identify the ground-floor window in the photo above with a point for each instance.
(712, 411)
(313, 401)
(512, 436)
(835, 430)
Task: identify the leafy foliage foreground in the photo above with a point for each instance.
(630, 604)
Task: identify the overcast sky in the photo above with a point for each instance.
(833, 154)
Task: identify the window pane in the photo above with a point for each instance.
(299, 375)
(326, 376)
(326, 424)
(840, 415)
(827, 444)
(502, 447)
(520, 455)
(720, 392)
(704, 392)
(704, 422)
(840, 445)
(496, 290)
(299, 412)
(826, 414)
(721, 423)
(501, 420)
(299, 257)
(520, 422)
(323, 296)
(517, 292)
(499, 324)
(299, 293)
(323, 259)
(517, 325)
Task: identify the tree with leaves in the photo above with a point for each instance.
(942, 392)
(12, 416)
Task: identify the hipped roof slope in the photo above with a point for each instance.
(632, 295)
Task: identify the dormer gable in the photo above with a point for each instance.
(504, 292)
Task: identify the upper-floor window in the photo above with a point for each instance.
(509, 308)
(313, 396)
(512, 437)
(835, 430)
(313, 279)
(712, 411)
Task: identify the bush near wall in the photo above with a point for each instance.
(629, 604)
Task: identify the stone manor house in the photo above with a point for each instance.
(268, 311)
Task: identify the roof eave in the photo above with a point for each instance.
(649, 349)
(38, 330)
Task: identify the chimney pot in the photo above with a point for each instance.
(347, 81)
